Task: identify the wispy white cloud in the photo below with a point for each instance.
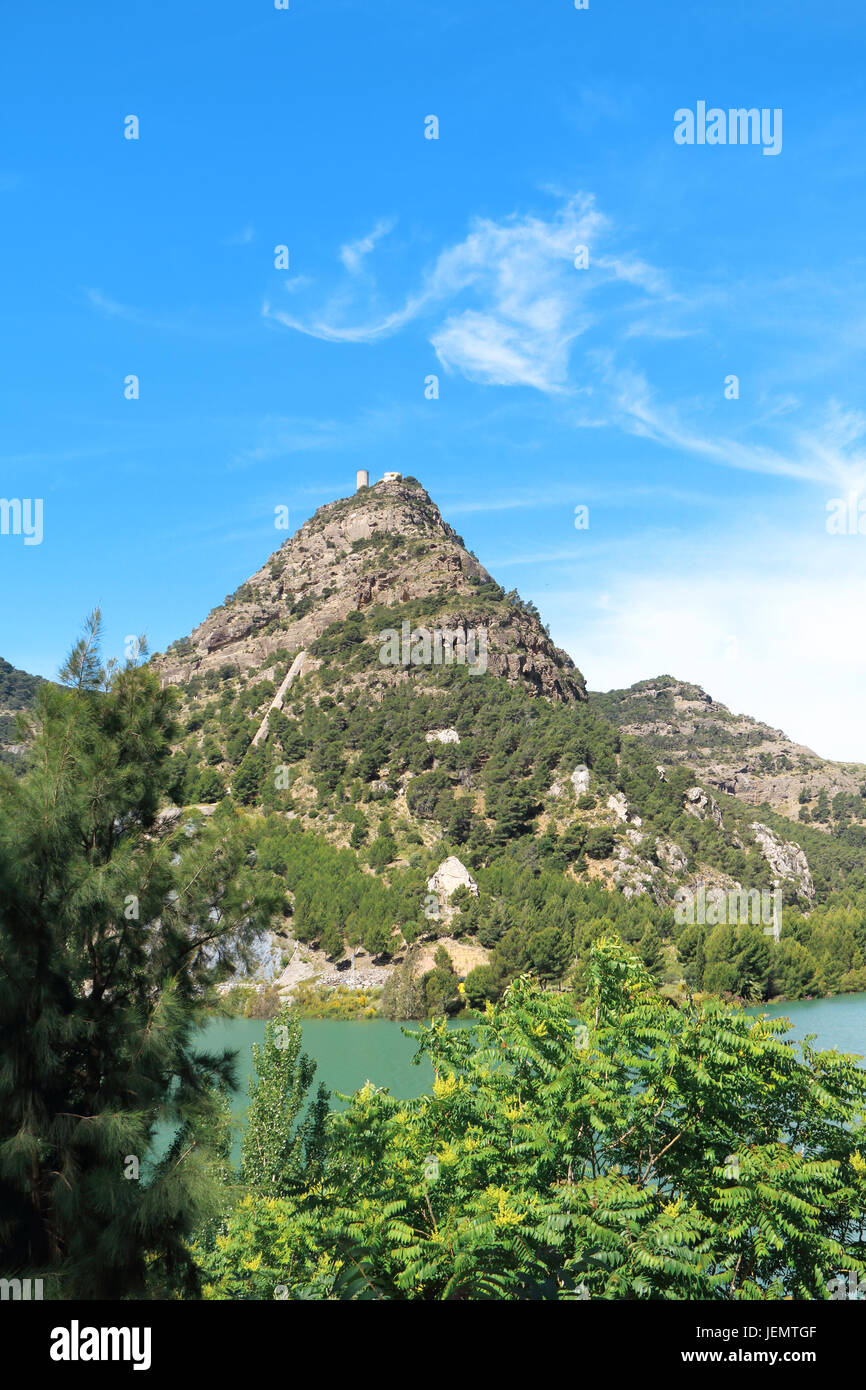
(513, 299)
(823, 452)
(632, 270)
(354, 252)
(108, 306)
(276, 436)
(50, 456)
(656, 328)
(538, 558)
(505, 306)
(282, 435)
(113, 309)
(567, 495)
(523, 501)
(348, 333)
(530, 300)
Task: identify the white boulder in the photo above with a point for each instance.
(580, 779)
(450, 876)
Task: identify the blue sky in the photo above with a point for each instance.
(707, 553)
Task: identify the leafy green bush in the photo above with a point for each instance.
(652, 1152)
(600, 842)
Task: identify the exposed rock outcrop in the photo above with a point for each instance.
(698, 803)
(786, 860)
(450, 876)
(619, 806)
(580, 779)
(671, 856)
(296, 669)
(634, 875)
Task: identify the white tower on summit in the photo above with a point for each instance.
(362, 479)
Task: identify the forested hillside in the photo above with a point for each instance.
(563, 818)
(372, 773)
(608, 1129)
(17, 691)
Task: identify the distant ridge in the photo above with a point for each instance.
(734, 753)
(17, 693)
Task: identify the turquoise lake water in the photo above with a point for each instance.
(839, 1022)
(347, 1053)
(350, 1052)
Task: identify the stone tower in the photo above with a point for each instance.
(362, 479)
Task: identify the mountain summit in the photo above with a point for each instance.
(384, 551)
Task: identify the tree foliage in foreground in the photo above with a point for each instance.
(283, 1144)
(649, 1152)
(112, 933)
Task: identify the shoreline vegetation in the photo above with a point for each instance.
(265, 1002)
(555, 1156)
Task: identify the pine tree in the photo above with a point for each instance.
(247, 781)
(283, 1148)
(112, 932)
(650, 951)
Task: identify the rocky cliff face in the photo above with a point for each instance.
(786, 860)
(379, 778)
(732, 753)
(387, 546)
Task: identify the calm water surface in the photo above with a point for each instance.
(347, 1054)
(839, 1022)
(351, 1052)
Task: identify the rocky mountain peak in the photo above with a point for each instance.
(387, 554)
